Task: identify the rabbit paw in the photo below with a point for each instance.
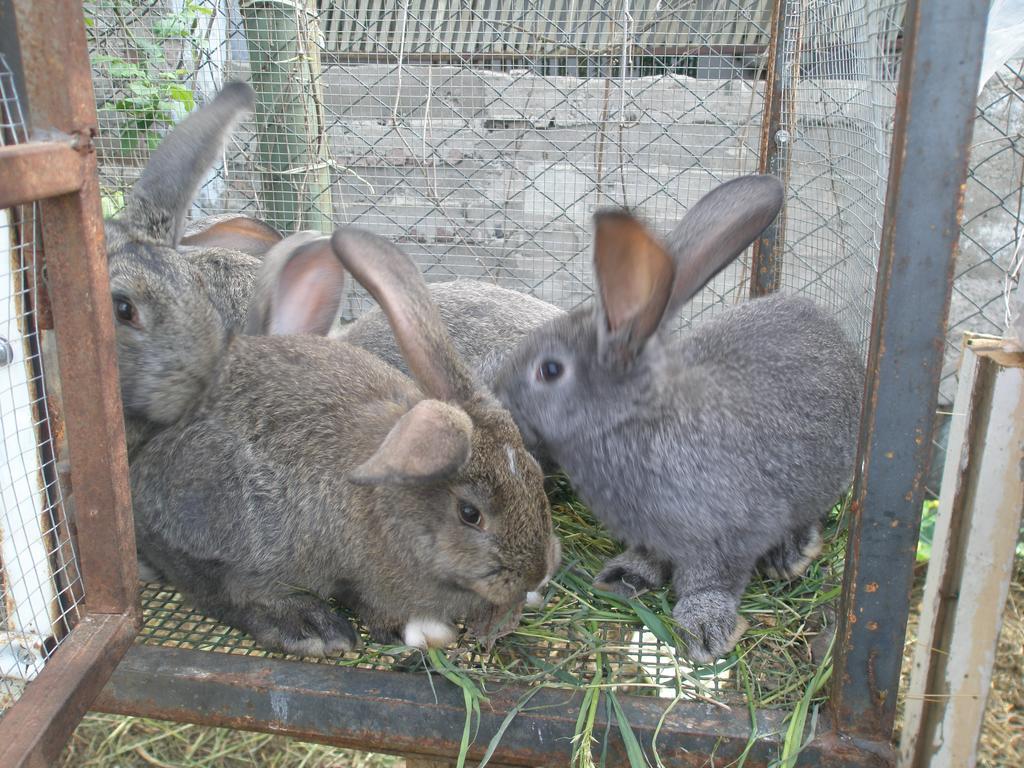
(790, 559)
(314, 629)
(710, 624)
(428, 633)
(631, 574)
(147, 572)
(386, 635)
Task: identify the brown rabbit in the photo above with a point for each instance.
(309, 469)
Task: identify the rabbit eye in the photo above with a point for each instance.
(549, 370)
(124, 311)
(469, 514)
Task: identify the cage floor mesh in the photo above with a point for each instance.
(581, 633)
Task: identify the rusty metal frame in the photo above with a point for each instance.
(381, 711)
(935, 111)
(411, 715)
(401, 712)
(60, 171)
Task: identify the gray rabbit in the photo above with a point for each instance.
(302, 469)
(706, 455)
(485, 322)
(224, 254)
(156, 269)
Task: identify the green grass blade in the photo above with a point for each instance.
(496, 739)
(633, 750)
(653, 623)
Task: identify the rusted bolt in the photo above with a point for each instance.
(82, 139)
(872, 625)
(871, 587)
(6, 352)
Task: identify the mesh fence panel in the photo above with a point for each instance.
(992, 230)
(39, 582)
(483, 135)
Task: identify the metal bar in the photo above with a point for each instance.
(766, 253)
(971, 564)
(931, 143)
(39, 170)
(408, 713)
(33, 732)
(53, 46)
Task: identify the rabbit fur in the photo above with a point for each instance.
(149, 242)
(307, 469)
(708, 454)
(157, 270)
(485, 322)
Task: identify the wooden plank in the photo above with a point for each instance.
(33, 732)
(54, 51)
(38, 170)
(971, 563)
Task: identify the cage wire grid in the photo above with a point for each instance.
(992, 230)
(481, 136)
(39, 581)
(580, 630)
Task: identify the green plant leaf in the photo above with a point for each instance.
(653, 623)
(126, 70)
(496, 739)
(633, 750)
(183, 96)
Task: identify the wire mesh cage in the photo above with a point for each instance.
(39, 578)
(481, 137)
(991, 233)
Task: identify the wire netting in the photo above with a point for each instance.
(579, 633)
(482, 136)
(39, 581)
(992, 229)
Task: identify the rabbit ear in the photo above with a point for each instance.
(299, 290)
(431, 442)
(397, 285)
(634, 276)
(718, 228)
(158, 202)
(238, 233)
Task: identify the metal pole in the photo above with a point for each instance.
(931, 143)
(783, 66)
